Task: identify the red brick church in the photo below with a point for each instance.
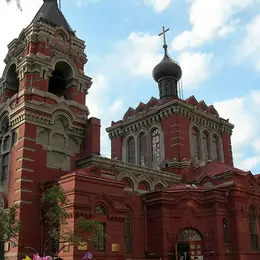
(170, 187)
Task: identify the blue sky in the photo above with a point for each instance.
(217, 43)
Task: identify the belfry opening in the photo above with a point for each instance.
(12, 79)
(59, 79)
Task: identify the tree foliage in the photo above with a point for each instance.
(9, 226)
(54, 215)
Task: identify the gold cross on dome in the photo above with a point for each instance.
(164, 35)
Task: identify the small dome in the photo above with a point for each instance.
(167, 68)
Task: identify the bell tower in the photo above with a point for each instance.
(43, 117)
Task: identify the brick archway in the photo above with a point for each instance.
(189, 243)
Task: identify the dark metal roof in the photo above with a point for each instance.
(50, 13)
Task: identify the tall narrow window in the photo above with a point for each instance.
(128, 232)
(131, 150)
(5, 149)
(215, 148)
(195, 145)
(100, 236)
(4, 168)
(155, 145)
(225, 231)
(205, 146)
(100, 233)
(143, 149)
(253, 228)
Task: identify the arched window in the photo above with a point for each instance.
(253, 228)
(155, 146)
(128, 232)
(195, 144)
(131, 150)
(215, 148)
(5, 149)
(100, 234)
(158, 187)
(188, 235)
(60, 78)
(101, 210)
(143, 149)
(205, 146)
(225, 231)
(12, 79)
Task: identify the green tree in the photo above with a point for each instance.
(54, 214)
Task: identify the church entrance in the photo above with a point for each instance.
(189, 245)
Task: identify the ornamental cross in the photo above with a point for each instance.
(164, 35)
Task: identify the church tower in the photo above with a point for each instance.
(44, 124)
(170, 133)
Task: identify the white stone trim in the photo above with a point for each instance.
(220, 144)
(125, 147)
(57, 59)
(196, 126)
(138, 135)
(210, 136)
(146, 179)
(207, 131)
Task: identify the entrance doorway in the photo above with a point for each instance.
(189, 244)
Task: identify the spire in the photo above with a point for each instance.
(50, 13)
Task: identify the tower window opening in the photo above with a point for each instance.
(12, 79)
(59, 80)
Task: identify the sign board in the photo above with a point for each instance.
(115, 248)
(83, 246)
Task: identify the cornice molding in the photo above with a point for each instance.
(119, 166)
(173, 108)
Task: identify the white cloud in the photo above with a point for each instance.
(210, 19)
(197, 71)
(256, 97)
(80, 3)
(158, 5)
(138, 54)
(101, 107)
(249, 164)
(18, 21)
(236, 110)
(251, 43)
(243, 112)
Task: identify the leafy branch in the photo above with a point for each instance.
(53, 216)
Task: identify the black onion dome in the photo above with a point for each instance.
(167, 68)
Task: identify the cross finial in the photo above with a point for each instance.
(164, 37)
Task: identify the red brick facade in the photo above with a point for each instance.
(172, 189)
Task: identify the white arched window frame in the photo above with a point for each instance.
(216, 148)
(195, 143)
(206, 147)
(131, 150)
